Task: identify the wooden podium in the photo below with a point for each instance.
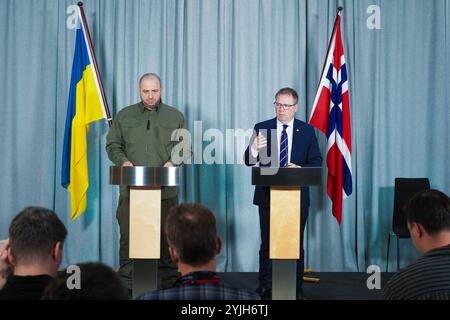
(145, 219)
(285, 204)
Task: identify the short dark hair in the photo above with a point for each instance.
(430, 208)
(98, 282)
(287, 91)
(149, 75)
(191, 231)
(34, 232)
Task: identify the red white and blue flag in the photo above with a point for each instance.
(331, 115)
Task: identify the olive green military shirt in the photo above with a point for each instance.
(143, 137)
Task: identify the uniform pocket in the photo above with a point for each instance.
(165, 138)
(165, 133)
(132, 131)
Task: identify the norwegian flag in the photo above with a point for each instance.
(331, 115)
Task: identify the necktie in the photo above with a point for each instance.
(284, 147)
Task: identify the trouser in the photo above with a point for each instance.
(265, 264)
(167, 270)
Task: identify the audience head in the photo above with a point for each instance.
(192, 235)
(428, 216)
(97, 282)
(36, 237)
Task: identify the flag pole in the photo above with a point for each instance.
(339, 9)
(94, 58)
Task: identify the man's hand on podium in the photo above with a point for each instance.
(293, 165)
(168, 164)
(127, 164)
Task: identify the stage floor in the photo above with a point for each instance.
(332, 285)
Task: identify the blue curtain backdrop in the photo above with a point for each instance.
(221, 63)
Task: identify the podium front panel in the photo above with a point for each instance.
(145, 222)
(285, 222)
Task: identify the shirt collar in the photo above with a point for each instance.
(444, 250)
(290, 124)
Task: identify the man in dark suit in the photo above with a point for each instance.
(281, 142)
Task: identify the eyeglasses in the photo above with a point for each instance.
(284, 106)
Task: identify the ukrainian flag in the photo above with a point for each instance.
(85, 106)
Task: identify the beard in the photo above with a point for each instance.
(151, 105)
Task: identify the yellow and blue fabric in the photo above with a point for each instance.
(85, 105)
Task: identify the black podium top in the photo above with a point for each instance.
(144, 176)
(271, 176)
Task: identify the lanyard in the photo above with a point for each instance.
(198, 278)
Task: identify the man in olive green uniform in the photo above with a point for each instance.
(141, 136)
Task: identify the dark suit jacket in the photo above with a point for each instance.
(305, 152)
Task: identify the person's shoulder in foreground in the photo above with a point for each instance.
(216, 290)
(428, 219)
(426, 279)
(193, 246)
